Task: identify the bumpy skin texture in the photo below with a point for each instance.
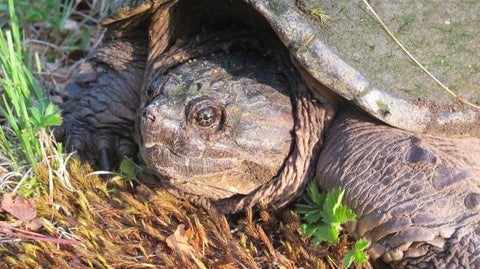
(206, 129)
(104, 96)
(417, 197)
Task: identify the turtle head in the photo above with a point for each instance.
(227, 120)
(218, 125)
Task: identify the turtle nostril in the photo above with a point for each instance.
(148, 116)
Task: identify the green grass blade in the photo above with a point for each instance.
(24, 105)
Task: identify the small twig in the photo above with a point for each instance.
(86, 16)
(24, 178)
(443, 86)
(44, 43)
(99, 39)
(19, 233)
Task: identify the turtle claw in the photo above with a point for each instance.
(103, 148)
(126, 148)
(111, 150)
(72, 141)
(105, 160)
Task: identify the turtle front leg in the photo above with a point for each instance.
(99, 117)
(417, 198)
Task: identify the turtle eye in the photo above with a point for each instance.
(205, 113)
(206, 116)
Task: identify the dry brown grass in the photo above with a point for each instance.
(121, 226)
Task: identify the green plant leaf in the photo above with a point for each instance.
(357, 255)
(324, 207)
(34, 14)
(127, 169)
(344, 215)
(361, 244)
(36, 116)
(308, 229)
(326, 232)
(333, 210)
(348, 259)
(306, 209)
(332, 202)
(313, 216)
(311, 212)
(51, 116)
(314, 194)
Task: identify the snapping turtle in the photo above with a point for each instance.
(239, 102)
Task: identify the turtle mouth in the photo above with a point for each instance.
(185, 169)
(212, 178)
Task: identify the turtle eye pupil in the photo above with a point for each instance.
(206, 116)
(205, 113)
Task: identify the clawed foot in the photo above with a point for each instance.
(99, 116)
(100, 146)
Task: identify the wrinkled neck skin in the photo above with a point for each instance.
(416, 196)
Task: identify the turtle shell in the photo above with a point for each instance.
(342, 44)
(120, 10)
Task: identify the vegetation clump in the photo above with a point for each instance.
(324, 215)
